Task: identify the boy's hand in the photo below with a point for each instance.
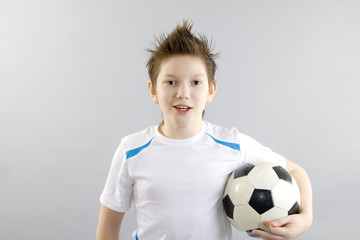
(287, 228)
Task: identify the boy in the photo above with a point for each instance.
(175, 172)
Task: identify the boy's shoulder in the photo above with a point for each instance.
(227, 134)
(220, 132)
(139, 138)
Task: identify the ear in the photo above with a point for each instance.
(212, 91)
(153, 93)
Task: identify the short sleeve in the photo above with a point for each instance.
(117, 193)
(253, 151)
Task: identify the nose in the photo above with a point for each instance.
(183, 91)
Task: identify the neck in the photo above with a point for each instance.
(180, 132)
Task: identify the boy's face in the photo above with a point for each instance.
(182, 90)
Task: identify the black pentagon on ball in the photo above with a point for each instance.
(228, 206)
(295, 209)
(243, 170)
(261, 200)
(283, 174)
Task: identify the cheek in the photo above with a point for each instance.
(163, 96)
(202, 99)
(164, 100)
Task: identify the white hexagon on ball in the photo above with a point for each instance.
(253, 217)
(241, 191)
(263, 176)
(284, 195)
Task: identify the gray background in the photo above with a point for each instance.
(73, 82)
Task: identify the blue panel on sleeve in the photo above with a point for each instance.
(234, 146)
(137, 232)
(135, 151)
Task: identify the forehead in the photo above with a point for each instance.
(182, 65)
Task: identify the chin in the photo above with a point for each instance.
(187, 122)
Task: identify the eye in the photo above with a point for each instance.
(196, 82)
(170, 82)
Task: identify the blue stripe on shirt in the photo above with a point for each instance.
(134, 152)
(137, 232)
(234, 146)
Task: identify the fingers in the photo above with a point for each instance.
(286, 228)
(278, 229)
(279, 222)
(266, 235)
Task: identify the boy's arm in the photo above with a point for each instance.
(293, 226)
(304, 184)
(109, 224)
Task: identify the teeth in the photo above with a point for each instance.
(182, 107)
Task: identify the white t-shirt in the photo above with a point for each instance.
(176, 186)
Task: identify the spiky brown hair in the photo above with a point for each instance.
(181, 41)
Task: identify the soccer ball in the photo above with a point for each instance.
(257, 192)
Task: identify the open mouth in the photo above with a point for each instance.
(182, 108)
